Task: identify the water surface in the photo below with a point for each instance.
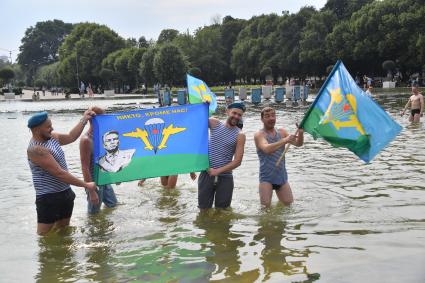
(350, 222)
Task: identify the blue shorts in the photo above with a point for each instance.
(106, 195)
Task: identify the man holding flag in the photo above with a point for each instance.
(270, 143)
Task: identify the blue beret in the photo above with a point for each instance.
(238, 105)
(37, 119)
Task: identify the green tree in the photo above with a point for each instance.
(208, 53)
(106, 75)
(142, 42)
(254, 48)
(41, 43)
(131, 42)
(170, 65)
(230, 30)
(167, 35)
(265, 73)
(287, 45)
(185, 42)
(6, 74)
(85, 48)
(134, 63)
(146, 70)
(48, 74)
(343, 9)
(313, 48)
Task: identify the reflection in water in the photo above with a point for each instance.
(56, 257)
(224, 245)
(100, 247)
(168, 203)
(275, 257)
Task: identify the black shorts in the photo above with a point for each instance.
(415, 111)
(276, 187)
(209, 192)
(55, 206)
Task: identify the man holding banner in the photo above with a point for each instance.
(54, 196)
(225, 153)
(105, 193)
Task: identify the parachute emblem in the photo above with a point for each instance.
(155, 135)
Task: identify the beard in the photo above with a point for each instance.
(233, 121)
(47, 136)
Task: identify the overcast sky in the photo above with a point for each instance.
(131, 18)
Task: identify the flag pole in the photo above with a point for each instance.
(282, 156)
(310, 109)
(320, 91)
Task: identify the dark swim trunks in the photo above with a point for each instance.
(214, 190)
(276, 187)
(415, 111)
(55, 206)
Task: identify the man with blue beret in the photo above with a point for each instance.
(51, 179)
(225, 152)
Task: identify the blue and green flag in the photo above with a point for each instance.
(199, 92)
(150, 143)
(346, 116)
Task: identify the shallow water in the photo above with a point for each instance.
(350, 222)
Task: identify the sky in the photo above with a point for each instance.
(131, 18)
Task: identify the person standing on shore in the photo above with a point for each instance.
(416, 103)
(105, 193)
(90, 92)
(270, 143)
(51, 179)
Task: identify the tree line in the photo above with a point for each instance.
(363, 33)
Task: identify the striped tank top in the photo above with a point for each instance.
(44, 183)
(222, 146)
(269, 172)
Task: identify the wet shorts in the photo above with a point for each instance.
(55, 206)
(415, 111)
(211, 189)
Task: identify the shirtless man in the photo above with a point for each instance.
(416, 102)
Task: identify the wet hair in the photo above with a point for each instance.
(266, 110)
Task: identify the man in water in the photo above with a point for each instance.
(416, 102)
(105, 193)
(114, 159)
(54, 196)
(225, 152)
(270, 143)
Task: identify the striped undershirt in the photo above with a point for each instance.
(269, 172)
(44, 183)
(222, 146)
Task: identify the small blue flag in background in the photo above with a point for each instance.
(199, 92)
